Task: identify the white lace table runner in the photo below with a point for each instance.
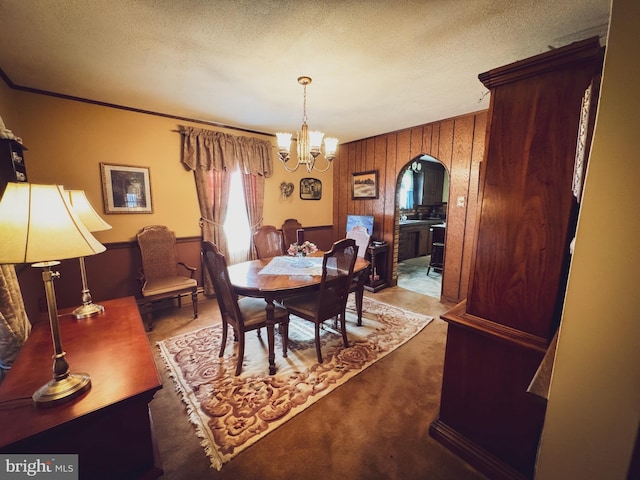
(287, 266)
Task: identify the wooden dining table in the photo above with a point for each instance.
(248, 281)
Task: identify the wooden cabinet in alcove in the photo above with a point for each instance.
(433, 183)
(527, 214)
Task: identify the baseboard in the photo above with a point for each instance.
(474, 455)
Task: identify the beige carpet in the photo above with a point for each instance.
(232, 413)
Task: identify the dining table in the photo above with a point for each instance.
(274, 278)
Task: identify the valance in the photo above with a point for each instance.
(212, 150)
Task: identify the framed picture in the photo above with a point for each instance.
(126, 189)
(364, 185)
(310, 189)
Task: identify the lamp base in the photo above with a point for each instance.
(56, 392)
(87, 310)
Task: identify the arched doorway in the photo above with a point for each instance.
(422, 193)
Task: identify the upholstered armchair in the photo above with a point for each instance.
(162, 276)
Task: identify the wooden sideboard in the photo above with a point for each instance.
(527, 209)
(110, 426)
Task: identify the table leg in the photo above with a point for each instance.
(271, 336)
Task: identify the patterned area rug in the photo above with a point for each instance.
(231, 413)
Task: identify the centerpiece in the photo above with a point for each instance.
(300, 251)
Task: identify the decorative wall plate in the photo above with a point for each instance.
(286, 189)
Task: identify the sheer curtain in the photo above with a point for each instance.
(213, 157)
(236, 225)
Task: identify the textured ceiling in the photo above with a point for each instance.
(377, 66)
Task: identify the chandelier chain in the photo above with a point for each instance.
(304, 103)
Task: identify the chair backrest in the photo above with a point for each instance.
(158, 250)
(290, 229)
(438, 233)
(268, 241)
(360, 234)
(337, 271)
(227, 299)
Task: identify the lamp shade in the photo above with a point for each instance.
(86, 212)
(38, 224)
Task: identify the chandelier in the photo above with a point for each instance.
(309, 142)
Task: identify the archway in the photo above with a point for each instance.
(422, 192)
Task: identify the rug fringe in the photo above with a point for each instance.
(205, 442)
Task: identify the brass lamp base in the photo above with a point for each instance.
(56, 392)
(88, 310)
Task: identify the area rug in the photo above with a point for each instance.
(232, 413)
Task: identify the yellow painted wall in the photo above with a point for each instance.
(7, 108)
(593, 412)
(67, 140)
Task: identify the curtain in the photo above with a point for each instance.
(254, 200)
(14, 324)
(221, 151)
(213, 156)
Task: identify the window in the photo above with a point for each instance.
(406, 190)
(236, 225)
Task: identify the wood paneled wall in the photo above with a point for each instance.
(113, 273)
(458, 143)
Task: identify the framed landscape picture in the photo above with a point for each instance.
(126, 189)
(364, 185)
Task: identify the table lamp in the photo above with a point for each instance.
(38, 224)
(94, 223)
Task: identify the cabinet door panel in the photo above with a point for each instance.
(528, 210)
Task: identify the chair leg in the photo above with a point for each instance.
(224, 338)
(343, 329)
(359, 296)
(148, 316)
(318, 352)
(194, 301)
(284, 332)
(240, 354)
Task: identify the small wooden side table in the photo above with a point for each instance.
(377, 255)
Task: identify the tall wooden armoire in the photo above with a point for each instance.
(538, 133)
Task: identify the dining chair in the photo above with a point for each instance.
(290, 229)
(162, 276)
(361, 235)
(330, 300)
(268, 241)
(244, 314)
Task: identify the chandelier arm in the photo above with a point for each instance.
(290, 170)
(323, 170)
